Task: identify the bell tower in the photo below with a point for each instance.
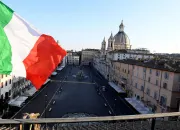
(103, 47)
(111, 43)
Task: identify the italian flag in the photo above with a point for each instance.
(24, 51)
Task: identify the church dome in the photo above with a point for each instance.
(121, 37)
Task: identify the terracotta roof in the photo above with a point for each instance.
(155, 64)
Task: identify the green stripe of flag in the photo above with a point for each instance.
(5, 48)
(5, 14)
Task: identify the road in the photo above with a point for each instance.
(76, 96)
(118, 104)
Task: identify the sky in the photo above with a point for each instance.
(80, 24)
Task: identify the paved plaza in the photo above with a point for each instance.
(67, 95)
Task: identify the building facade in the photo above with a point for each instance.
(6, 86)
(19, 86)
(87, 56)
(130, 54)
(72, 58)
(153, 79)
(155, 83)
(10, 88)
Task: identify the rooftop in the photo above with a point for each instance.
(89, 49)
(133, 51)
(166, 65)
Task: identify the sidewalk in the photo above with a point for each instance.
(30, 92)
(115, 87)
(18, 101)
(139, 106)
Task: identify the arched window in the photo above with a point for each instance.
(6, 83)
(2, 85)
(10, 81)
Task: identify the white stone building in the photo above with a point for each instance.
(73, 59)
(87, 56)
(130, 54)
(6, 86)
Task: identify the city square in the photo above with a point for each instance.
(89, 65)
(74, 96)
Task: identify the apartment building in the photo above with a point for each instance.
(19, 86)
(130, 54)
(156, 83)
(72, 58)
(6, 86)
(87, 56)
(11, 87)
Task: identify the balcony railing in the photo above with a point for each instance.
(161, 121)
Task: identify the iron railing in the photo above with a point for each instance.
(161, 121)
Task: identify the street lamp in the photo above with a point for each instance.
(45, 104)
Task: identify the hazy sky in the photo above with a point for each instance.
(77, 24)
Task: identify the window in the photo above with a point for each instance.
(10, 81)
(157, 73)
(9, 92)
(148, 91)
(157, 82)
(128, 71)
(155, 95)
(149, 79)
(142, 88)
(165, 85)
(166, 75)
(144, 69)
(2, 76)
(136, 85)
(163, 101)
(6, 83)
(150, 71)
(138, 97)
(133, 66)
(2, 85)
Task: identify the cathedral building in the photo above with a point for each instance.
(118, 48)
(118, 42)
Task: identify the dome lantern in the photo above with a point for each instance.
(121, 26)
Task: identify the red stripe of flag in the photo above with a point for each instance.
(43, 60)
